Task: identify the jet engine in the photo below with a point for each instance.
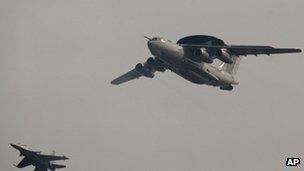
(150, 61)
(201, 55)
(144, 70)
(156, 64)
(223, 55)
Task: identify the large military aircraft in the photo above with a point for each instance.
(192, 58)
(41, 162)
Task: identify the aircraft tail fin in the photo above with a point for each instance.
(233, 67)
(53, 154)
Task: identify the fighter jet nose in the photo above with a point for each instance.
(16, 146)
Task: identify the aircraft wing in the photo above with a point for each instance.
(133, 74)
(52, 157)
(244, 50)
(24, 162)
(147, 69)
(257, 50)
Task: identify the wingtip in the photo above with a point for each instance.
(113, 83)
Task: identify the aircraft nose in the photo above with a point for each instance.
(152, 44)
(149, 43)
(154, 47)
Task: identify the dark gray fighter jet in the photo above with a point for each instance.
(192, 58)
(40, 161)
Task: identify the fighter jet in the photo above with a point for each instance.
(192, 58)
(41, 162)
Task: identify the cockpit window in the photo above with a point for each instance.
(158, 38)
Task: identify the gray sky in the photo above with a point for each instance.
(57, 59)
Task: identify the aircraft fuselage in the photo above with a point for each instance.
(193, 58)
(33, 157)
(175, 58)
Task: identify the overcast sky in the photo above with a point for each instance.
(57, 59)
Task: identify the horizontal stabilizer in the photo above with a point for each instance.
(58, 166)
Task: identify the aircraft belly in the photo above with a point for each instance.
(191, 71)
(37, 161)
(223, 78)
(172, 58)
(195, 73)
(193, 77)
(175, 65)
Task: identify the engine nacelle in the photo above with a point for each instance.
(150, 61)
(227, 87)
(138, 67)
(224, 56)
(159, 68)
(201, 55)
(156, 64)
(143, 70)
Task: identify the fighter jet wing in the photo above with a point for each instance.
(24, 162)
(244, 50)
(40, 169)
(126, 77)
(52, 158)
